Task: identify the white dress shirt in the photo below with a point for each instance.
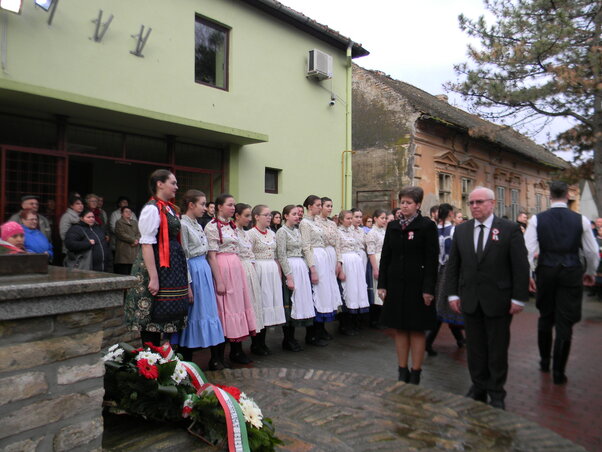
(486, 233)
(589, 246)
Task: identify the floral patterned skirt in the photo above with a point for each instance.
(139, 302)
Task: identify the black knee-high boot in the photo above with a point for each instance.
(216, 361)
(311, 337)
(237, 355)
(458, 335)
(152, 337)
(561, 356)
(186, 353)
(430, 339)
(289, 342)
(258, 346)
(544, 343)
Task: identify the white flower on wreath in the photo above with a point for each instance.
(179, 373)
(114, 354)
(152, 358)
(251, 411)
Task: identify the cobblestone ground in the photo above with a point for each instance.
(344, 397)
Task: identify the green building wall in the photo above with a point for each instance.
(270, 102)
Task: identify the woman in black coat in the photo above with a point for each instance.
(406, 282)
(87, 235)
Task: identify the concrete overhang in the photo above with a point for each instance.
(111, 115)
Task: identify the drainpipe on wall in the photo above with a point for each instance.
(347, 185)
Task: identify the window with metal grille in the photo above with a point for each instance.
(445, 184)
(271, 180)
(467, 186)
(537, 202)
(500, 207)
(211, 53)
(514, 205)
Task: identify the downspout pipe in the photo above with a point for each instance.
(347, 155)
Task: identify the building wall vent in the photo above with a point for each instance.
(319, 65)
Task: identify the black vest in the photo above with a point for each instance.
(559, 232)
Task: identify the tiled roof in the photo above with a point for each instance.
(441, 110)
(308, 25)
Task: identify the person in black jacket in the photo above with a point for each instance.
(487, 280)
(87, 235)
(407, 279)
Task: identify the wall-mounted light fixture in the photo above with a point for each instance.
(48, 5)
(101, 29)
(14, 6)
(141, 39)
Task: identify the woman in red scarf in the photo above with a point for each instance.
(160, 303)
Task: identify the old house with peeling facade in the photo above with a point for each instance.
(403, 135)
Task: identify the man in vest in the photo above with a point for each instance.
(559, 235)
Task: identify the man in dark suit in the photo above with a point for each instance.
(488, 282)
(559, 235)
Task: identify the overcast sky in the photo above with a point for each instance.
(417, 41)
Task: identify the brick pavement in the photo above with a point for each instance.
(300, 390)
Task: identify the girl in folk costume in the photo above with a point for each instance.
(263, 240)
(242, 219)
(445, 229)
(374, 246)
(331, 234)
(204, 328)
(233, 301)
(327, 297)
(360, 234)
(159, 303)
(352, 275)
(295, 263)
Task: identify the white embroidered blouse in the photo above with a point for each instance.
(374, 240)
(289, 244)
(229, 240)
(245, 247)
(149, 224)
(264, 245)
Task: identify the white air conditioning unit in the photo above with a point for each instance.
(319, 65)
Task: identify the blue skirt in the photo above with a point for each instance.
(204, 327)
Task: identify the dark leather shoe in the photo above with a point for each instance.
(404, 374)
(431, 352)
(544, 365)
(216, 365)
(291, 345)
(477, 394)
(415, 376)
(316, 342)
(259, 350)
(498, 403)
(559, 378)
(240, 358)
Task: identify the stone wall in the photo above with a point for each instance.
(51, 375)
(115, 330)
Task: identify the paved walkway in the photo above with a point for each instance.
(345, 397)
(574, 411)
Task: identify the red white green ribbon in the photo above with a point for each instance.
(238, 440)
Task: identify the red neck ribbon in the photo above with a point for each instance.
(221, 223)
(163, 231)
(261, 232)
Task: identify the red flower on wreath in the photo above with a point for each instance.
(163, 351)
(147, 370)
(234, 392)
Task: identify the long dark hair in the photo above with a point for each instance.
(443, 212)
(160, 175)
(191, 196)
(310, 200)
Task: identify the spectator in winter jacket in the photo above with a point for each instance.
(88, 235)
(35, 240)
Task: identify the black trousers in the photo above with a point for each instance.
(487, 341)
(558, 299)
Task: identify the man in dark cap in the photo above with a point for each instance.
(31, 202)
